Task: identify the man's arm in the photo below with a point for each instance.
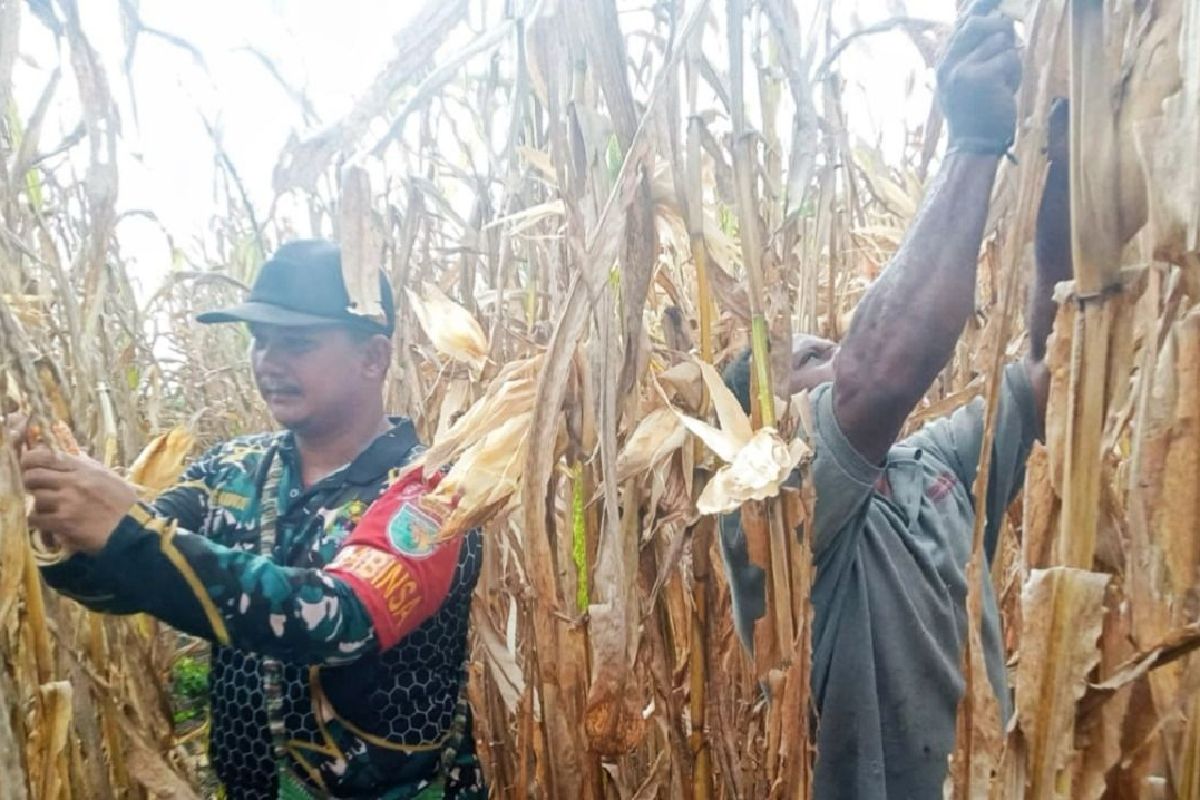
(366, 600)
(374, 593)
(957, 439)
(906, 326)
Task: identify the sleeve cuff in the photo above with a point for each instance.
(829, 436)
(113, 560)
(66, 575)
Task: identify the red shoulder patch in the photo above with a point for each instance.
(394, 562)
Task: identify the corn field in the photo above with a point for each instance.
(583, 204)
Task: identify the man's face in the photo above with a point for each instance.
(312, 376)
(812, 361)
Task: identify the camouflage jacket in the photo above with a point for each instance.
(370, 622)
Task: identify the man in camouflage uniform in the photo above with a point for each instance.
(338, 623)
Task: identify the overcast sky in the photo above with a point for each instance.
(332, 48)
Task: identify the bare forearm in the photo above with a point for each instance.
(1052, 249)
(907, 325)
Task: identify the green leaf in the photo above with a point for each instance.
(613, 157)
(33, 186)
(185, 715)
(579, 537)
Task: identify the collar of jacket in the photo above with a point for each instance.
(388, 451)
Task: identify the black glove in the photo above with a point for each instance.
(977, 81)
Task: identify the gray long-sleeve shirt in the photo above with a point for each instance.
(890, 546)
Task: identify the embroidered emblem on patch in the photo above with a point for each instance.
(412, 532)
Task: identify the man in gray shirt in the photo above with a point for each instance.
(894, 519)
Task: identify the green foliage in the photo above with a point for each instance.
(183, 715)
(189, 685)
(727, 220)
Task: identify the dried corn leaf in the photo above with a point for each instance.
(540, 161)
(1062, 618)
(1041, 506)
(303, 162)
(13, 788)
(454, 404)
(729, 412)
(1095, 164)
(156, 776)
(613, 719)
(54, 723)
(161, 462)
(1177, 522)
(1176, 645)
(735, 431)
(723, 443)
(976, 758)
(899, 199)
(528, 217)
(1099, 734)
(686, 383)
(13, 540)
(361, 242)
(511, 393)
(505, 669)
(657, 436)
(485, 477)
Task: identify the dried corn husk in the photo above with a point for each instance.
(451, 328)
(484, 478)
(756, 462)
(658, 435)
(162, 461)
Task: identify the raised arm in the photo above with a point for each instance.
(906, 326)
(371, 595)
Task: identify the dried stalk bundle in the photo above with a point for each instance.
(586, 209)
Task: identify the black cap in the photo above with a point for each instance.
(301, 284)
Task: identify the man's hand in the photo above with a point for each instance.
(77, 501)
(977, 81)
